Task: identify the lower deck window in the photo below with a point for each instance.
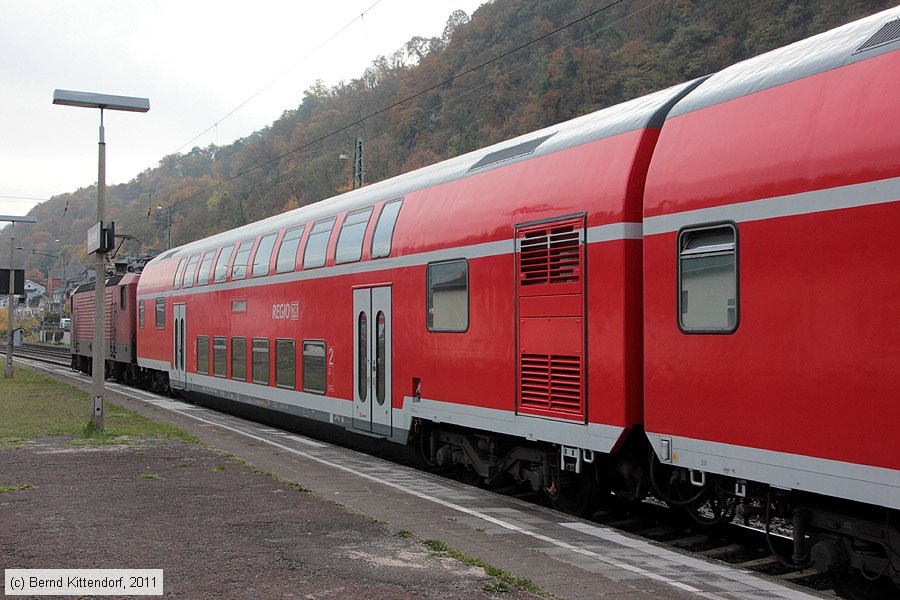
(707, 279)
(203, 355)
(448, 296)
(239, 358)
(285, 364)
(220, 357)
(314, 366)
(261, 361)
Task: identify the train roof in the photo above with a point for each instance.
(641, 113)
(110, 282)
(856, 41)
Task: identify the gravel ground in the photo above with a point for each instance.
(218, 528)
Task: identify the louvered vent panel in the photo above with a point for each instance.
(551, 383)
(888, 33)
(551, 255)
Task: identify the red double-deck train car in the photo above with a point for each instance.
(498, 291)
(694, 294)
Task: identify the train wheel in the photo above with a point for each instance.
(856, 586)
(466, 474)
(578, 494)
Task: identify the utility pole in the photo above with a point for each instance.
(12, 286)
(168, 225)
(12, 289)
(359, 171)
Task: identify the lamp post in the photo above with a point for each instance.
(12, 286)
(101, 101)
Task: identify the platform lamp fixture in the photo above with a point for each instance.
(101, 237)
(12, 282)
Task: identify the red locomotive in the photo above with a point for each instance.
(693, 294)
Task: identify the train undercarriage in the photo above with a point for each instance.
(857, 545)
(126, 373)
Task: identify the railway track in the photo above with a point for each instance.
(45, 354)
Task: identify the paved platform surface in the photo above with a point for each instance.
(565, 557)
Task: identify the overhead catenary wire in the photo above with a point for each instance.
(409, 98)
(278, 78)
(275, 178)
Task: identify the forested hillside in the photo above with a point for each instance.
(512, 67)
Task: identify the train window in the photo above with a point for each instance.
(448, 296)
(362, 340)
(205, 264)
(190, 270)
(221, 271)
(160, 313)
(239, 358)
(285, 364)
(707, 279)
(263, 255)
(239, 268)
(176, 283)
(122, 297)
(261, 361)
(384, 229)
(314, 366)
(141, 314)
(203, 355)
(317, 244)
(220, 357)
(287, 252)
(380, 357)
(350, 240)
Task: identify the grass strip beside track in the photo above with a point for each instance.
(33, 405)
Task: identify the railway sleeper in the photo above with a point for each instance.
(857, 545)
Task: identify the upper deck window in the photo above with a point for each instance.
(317, 244)
(384, 229)
(707, 279)
(190, 270)
(263, 255)
(350, 240)
(176, 283)
(239, 268)
(221, 271)
(287, 252)
(205, 264)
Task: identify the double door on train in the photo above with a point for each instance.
(372, 360)
(179, 352)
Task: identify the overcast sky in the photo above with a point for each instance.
(196, 60)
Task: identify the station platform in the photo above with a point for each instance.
(564, 556)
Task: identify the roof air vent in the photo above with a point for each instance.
(510, 153)
(889, 32)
